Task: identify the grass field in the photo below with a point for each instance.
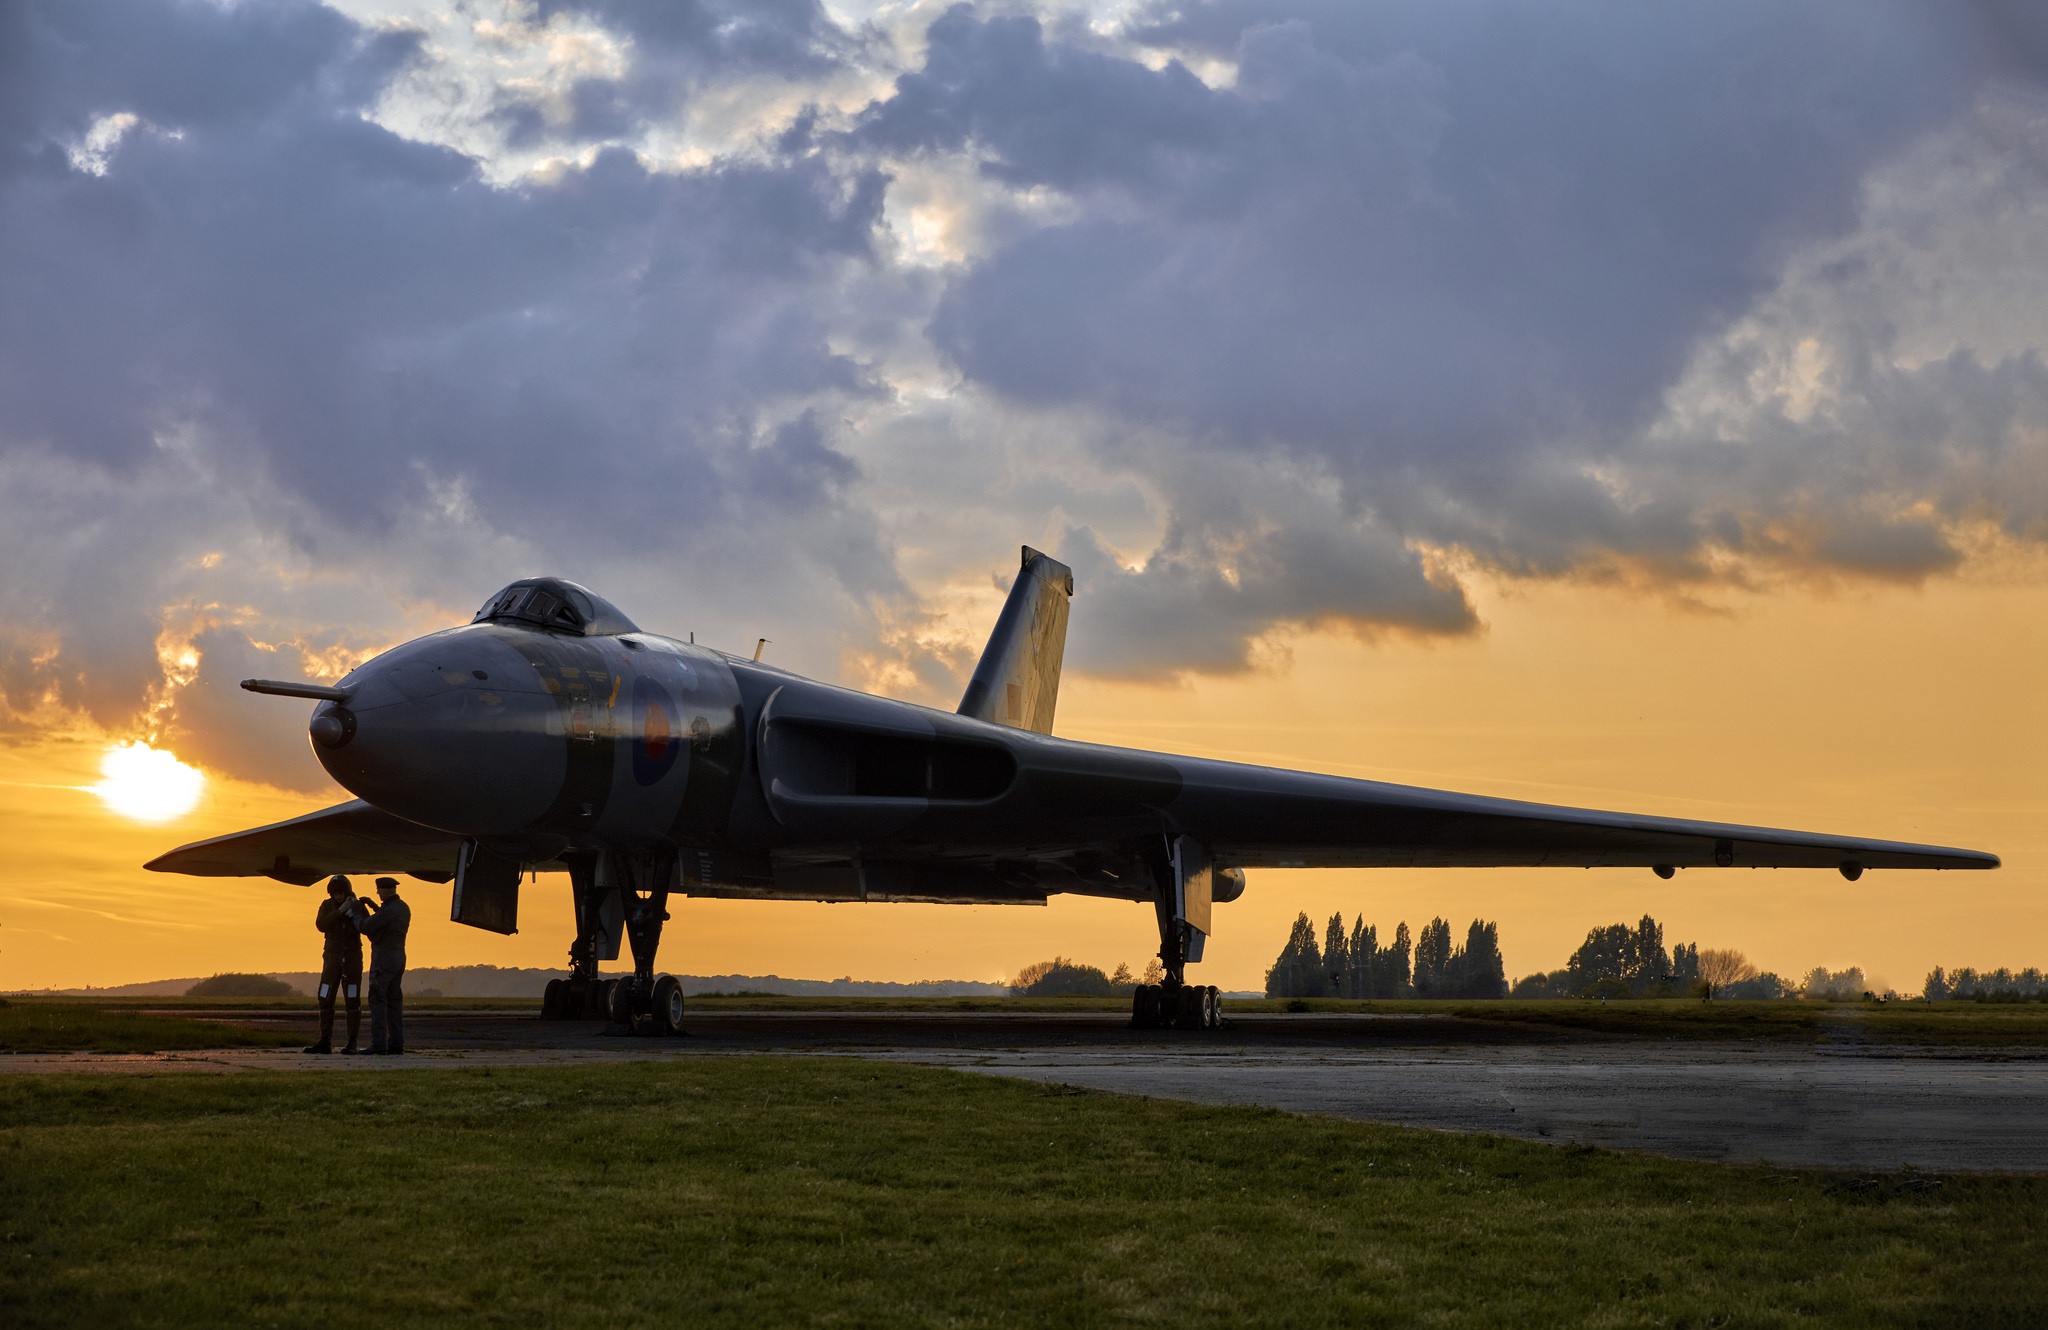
(720, 1002)
(52, 1026)
(772, 1191)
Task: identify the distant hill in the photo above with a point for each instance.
(496, 981)
(240, 985)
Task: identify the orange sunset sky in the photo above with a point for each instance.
(1910, 713)
(1642, 407)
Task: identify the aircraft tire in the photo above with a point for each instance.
(597, 999)
(1145, 1007)
(1190, 1007)
(551, 1000)
(1212, 1008)
(618, 1001)
(668, 1005)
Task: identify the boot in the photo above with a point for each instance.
(355, 1023)
(325, 1043)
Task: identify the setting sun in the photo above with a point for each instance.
(143, 783)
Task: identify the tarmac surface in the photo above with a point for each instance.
(1865, 1109)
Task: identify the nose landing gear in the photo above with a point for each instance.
(619, 894)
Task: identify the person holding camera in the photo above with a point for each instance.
(385, 921)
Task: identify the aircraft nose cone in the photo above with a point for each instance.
(454, 732)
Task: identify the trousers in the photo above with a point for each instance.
(387, 1011)
(343, 979)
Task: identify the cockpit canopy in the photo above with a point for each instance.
(550, 602)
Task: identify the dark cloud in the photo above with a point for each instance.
(1456, 259)
(680, 49)
(265, 293)
(1038, 112)
(1410, 232)
(1412, 285)
(1211, 589)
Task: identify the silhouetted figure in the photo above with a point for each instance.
(385, 922)
(341, 966)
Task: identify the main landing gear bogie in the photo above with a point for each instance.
(1176, 1007)
(618, 897)
(618, 1000)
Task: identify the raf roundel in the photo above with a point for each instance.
(658, 743)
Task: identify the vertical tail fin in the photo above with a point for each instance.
(1018, 680)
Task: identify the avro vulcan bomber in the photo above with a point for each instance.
(551, 733)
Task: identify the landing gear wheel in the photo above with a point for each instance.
(551, 1000)
(1149, 1008)
(1212, 1009)
(1190, 1007)
(668, 1005)
(619, 1001)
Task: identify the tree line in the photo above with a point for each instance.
(1620, 961)
(1351, 963)
(2000, 985)
(1060, 977)
(1615, 960)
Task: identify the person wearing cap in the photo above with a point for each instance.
(385, 921)
(341, 966)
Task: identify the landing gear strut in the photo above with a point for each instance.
(618, 894)
(1184, 877)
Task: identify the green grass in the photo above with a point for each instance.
(46, 1026)
(709, 1002)
(296, 1002)
(771, 1191)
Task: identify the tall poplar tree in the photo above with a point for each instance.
(1336, 956)
(1482, 972)
(1433, 959)
(1653, 966)
(1395, 971)
(1299, 970)
(1365, 945)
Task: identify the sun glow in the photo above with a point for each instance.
(148, 785)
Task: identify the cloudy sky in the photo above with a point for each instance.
(1297, 327)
